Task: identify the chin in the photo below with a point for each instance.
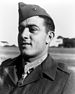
(27, 53)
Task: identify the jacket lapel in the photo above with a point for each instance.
(10, 71)
(11, 77)
(33, 76)
(48, 67)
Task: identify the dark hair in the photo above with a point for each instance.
(48, 23)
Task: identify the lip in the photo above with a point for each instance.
(25, 43)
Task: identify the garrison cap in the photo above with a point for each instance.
(29, 10)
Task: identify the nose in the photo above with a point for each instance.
(26, 33)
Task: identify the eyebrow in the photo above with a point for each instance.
(29, 25)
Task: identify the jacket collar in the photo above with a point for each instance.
(48, 67)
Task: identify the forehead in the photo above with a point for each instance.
(35, 20)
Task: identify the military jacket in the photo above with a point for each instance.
(48, 78)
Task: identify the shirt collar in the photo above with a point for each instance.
(35, 63)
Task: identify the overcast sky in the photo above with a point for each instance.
(62, 12)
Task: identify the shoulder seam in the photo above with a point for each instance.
(63, 68)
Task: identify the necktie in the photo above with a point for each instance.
(24, 75)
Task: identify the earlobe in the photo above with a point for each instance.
(46, 43)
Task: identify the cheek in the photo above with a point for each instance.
(19, 38)
(19, 41)
(40, 41)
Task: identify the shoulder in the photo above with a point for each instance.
(63, 68)
(63, 74)
(6, 62)
(70, 86)
(55, 66)
(55, 69)
(63, 71)
(9, 61)
(6, 65)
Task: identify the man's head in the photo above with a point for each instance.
(36, 29)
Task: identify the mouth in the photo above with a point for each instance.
(24, 44)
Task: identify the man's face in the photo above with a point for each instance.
(32, 36)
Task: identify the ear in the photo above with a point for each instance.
(49, 37)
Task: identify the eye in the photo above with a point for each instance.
(33, 29)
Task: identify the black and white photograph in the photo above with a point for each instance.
(37, 46)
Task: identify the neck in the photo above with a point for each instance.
(34, 58)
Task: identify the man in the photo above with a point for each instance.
(33, 71)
